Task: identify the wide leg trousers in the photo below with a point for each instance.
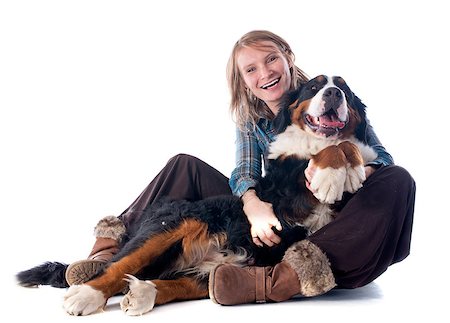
(370, 233)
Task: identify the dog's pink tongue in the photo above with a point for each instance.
(331, 122)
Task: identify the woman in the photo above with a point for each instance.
(379, 217)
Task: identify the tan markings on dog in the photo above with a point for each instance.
(180, 289)
(340, 80)
(297, 114)
(331, 156)
(352, 153)
(197, 248)
(111, 281)
(192, 243)
(204, 252)
(354, 120)
(293, 105)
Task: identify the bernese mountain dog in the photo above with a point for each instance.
(168, 254)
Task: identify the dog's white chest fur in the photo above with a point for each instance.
(329, 183)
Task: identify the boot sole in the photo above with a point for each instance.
(83, 271)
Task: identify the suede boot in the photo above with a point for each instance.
(108, 232)
(305, 270)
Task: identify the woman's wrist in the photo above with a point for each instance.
(251, 204)
(248, 196)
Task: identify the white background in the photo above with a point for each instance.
(96, 96)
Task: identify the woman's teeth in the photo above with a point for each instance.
(270, 84)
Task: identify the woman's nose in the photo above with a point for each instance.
(265, 72)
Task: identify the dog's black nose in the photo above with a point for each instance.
(332, 97)
(332, 92)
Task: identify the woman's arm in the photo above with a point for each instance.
(248, 168)
(243, 178)
(383, 158)
(262, 218)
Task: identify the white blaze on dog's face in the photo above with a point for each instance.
(325, 113)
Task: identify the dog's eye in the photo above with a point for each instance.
(313, 88)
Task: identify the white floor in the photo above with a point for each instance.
(394, 296)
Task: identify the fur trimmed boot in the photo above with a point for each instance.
(109, 231)
(304, 270)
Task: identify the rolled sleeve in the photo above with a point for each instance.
(383, 157)
(248, 163)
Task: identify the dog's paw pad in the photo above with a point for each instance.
(83, 300)
(140, 299)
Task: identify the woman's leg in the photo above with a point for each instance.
(183, 177)
(372, 231)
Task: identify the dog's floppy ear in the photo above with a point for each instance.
(288, 103)
(360, 108)
(282, 120)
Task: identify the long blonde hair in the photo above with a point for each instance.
(244, 106)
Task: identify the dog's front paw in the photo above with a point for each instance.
(83, 300)
(355, 178)
(140, 298)
(328, 184)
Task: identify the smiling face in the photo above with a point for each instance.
(265, 71)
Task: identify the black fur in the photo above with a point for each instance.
(49, 273)
(283, 186)
(222, 214)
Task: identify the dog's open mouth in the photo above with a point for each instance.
(327, 124)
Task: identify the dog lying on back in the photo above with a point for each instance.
(169, 253)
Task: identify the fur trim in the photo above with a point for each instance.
(110, 227)
(312, 267)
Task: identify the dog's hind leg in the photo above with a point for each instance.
(197, 246)
(91, 296)
(143, 295)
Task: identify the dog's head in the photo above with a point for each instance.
(324, 107)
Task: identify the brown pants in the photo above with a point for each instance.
(370, 233)
(184, 177)
(373, 230)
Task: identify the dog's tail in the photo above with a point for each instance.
(49, 273)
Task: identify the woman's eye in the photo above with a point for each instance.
(251, 69)
(273, 58)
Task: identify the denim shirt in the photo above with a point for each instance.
(252, 145)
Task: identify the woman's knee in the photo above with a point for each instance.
(181, 156)
(396, 175)
(183, 159)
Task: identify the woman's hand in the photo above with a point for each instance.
(369, 170)
(309, 174)
(262, 219)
